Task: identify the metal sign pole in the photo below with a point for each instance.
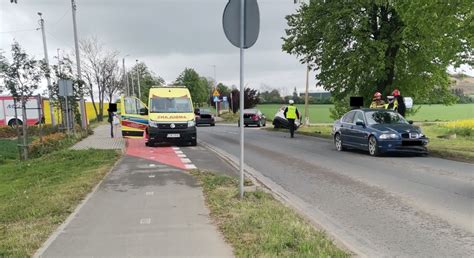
(242, 42)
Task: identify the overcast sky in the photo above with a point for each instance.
(168, 35)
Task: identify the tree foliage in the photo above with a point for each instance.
(22, 77)
(196, 85)
(359, 47)
(148, 79)
(251, 99)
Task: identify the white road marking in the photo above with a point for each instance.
(185, 160)
(152, 165)
(175, 148)
(149, 193)
(190, 166)
(145, 221)
(178, 152)
(151, 176)
(182, 155)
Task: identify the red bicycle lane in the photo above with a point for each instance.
(166, 155)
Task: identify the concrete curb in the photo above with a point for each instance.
(71, 216)
(349, 242)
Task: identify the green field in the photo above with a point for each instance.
(427, 113)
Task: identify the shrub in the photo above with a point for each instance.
(7, 132)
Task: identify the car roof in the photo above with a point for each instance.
(372, 109)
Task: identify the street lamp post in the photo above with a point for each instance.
(125, 76)
(48, 76)
(138, 82)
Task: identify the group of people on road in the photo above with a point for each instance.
(394, 102)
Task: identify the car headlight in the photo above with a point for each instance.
(387, 136)
(152, 123)
(191, 123)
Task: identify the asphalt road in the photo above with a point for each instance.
(385, 206)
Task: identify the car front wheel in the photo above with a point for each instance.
(373, 146)
(338, 142)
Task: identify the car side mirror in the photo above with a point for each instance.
(143, 111)
(410, 122)
(360, 123)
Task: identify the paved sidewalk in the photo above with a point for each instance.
(143, 208)
(101, 140)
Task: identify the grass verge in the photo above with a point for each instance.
(259, 225)
(37, 195)
(323, 131)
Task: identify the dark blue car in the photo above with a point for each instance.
(378, 131)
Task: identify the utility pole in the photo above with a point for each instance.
(306, 114)
(48, 76)
(138, 82)
(125, 76)
(82, 103)
(306, 95)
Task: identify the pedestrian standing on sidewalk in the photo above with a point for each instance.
(291, 114)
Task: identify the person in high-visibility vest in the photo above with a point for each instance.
(291, 114)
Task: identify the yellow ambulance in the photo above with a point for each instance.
(168, 118)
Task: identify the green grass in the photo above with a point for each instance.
(461, 148)
(259, 225)
(37, 195)
(8, 149)
(317, 113)
(320, 113)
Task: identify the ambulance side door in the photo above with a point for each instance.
(133, 117)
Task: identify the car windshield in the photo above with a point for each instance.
(171, 105)
(384, 117)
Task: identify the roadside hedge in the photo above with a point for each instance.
(34, 130)
(54, 142)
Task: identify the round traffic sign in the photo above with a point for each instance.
(231, 22)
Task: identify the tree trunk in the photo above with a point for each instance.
(25, 128)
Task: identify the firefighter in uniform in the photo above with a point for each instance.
(291, 113)
(377, 101)
(397, 103)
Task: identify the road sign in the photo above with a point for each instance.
(231, 21)
(65, 88)
(224, 98)
(216, 93)
(216, 99)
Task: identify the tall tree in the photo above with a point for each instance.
(99, 65)
(148, 79)
(359, 47)
(198, 88)
(22, 77)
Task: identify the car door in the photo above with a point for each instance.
(359, 132)
(346, 123)
(133, 117)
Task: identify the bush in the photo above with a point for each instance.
(462, 131)
(54, 142)
(7, 132)
(10, 132)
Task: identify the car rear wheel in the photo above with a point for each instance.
(338, 142)
(259, 124)
(373, 146)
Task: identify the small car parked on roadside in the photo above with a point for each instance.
(378, 131)
(254, 117)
